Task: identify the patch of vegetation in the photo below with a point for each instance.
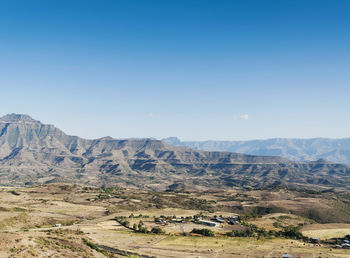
(18, 209)
(15, 193)
(21, 218)
(157, 230)
(95, 247)
(203, 231)
(260, 211)
(252, 230)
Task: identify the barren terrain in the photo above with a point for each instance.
(75, 221)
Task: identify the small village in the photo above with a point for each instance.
(215, 221)
(345, 244)
(210, 226)
(199, 224)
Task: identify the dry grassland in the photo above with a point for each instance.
(326, 231)
(28, 217)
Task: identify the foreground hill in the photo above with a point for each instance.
(335, 150)
(32, 152)
(65, 220)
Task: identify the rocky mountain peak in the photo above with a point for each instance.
(17, 118)
(323, 161)
(172, 140)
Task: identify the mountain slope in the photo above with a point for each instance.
(32, 152)
(335, 150)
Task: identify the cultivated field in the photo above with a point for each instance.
(326, 231)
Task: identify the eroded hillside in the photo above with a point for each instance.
(34, 153)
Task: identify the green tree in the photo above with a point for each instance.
(157, 230)
(203, 231)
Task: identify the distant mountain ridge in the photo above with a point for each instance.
(34, 153)
(335, 150)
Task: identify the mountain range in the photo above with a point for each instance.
(34, 153)
(335, 150)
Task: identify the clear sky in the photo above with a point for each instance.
(196, 69)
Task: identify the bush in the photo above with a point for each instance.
(292, 232)
(94, 246)
(157, 230)
(143, 230)
(203, 231)
(244, 233)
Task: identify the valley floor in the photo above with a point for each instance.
(73, 221)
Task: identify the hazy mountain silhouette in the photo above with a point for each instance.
(335, 150)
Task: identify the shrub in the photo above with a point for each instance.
(157, 230)
(203, 231)
(292, 232)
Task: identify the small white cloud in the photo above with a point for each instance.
(244, 117)
(151, 115)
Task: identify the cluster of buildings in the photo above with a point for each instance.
(217, 221)
(212, 222)
(208, 223)
(344, 245)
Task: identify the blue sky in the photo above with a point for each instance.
(196, 69)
